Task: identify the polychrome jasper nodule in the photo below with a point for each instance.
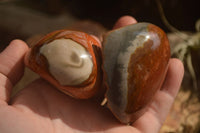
(70, 60)
(132, 65)
(135, 61)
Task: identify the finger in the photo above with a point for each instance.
(174, 77)
(164, 98)
(11, 67)
(123, 21)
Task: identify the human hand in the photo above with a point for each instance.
(39, 107)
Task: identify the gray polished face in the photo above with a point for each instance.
(118, 47)
(69, 62)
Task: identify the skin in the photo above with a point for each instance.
(39, 107)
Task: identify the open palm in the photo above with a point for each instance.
(41, 108)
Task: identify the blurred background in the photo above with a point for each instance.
(24, 18)
(30, 19)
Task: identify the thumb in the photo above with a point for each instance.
(11, 66)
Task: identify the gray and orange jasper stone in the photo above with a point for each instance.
(135, 61)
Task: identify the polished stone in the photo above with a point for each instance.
(69, 62)
(135, 63)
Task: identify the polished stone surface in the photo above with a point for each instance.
(69, 62)
(135, 63)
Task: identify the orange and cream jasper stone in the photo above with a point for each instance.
(70, 60)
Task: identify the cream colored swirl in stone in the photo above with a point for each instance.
(69, 62)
